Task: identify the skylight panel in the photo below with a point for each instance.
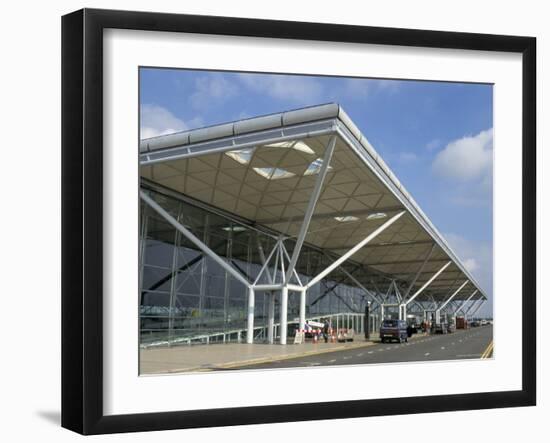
(234, 228)
(377, 216)
(296, 145)
(274, 173)
(346, 218)
(243, 156)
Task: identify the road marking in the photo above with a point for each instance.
(488, 350)
(314, 364)
(453, 343)
(347, 358)
(370, 352)
(380, 350)
(442, 348)
(359, 355)
(332, 361)
(426, 354)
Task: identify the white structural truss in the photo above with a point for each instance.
(308, 177)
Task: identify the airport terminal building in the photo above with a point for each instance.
(249, 229)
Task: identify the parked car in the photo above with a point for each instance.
(393, 330)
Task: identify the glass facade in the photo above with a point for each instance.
(185, 294)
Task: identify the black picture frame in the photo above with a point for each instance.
(82, 218)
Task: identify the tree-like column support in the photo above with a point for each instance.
(283, 313)
(250, 318)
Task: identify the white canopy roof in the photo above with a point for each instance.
(263, 170)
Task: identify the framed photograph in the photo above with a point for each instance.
(269, 221)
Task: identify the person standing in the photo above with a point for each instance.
(325, 330)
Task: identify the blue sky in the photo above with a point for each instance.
(436, 136)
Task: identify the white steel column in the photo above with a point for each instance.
(265, 266)
(471, 307)
(283, 321)
(464, 304)
(403, 312)
(283, 248)
(271, 318)
(264, 261)
(250, 318)
(409, 289)
(397, 293)
(310, 207)
(478, 306)
(438, 310)
(302, 309)
(353, 250)
(425, 285)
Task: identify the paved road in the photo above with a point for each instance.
(468, 344)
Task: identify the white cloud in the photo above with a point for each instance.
(361, 89)
(477, 258)
(470, 264)
(212, 89)
(466, 159)
(296, 89)
(156, 120)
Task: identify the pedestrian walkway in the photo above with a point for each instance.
(225, 356)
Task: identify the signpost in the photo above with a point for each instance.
(299, 337)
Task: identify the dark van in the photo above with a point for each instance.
(393, 330)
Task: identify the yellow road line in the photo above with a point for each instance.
(488, 351)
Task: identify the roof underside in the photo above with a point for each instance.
(263, 171)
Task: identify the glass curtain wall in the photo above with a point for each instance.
(186, 294)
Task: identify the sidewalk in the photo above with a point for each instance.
(223, 356)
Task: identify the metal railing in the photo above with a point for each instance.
(342, 320)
